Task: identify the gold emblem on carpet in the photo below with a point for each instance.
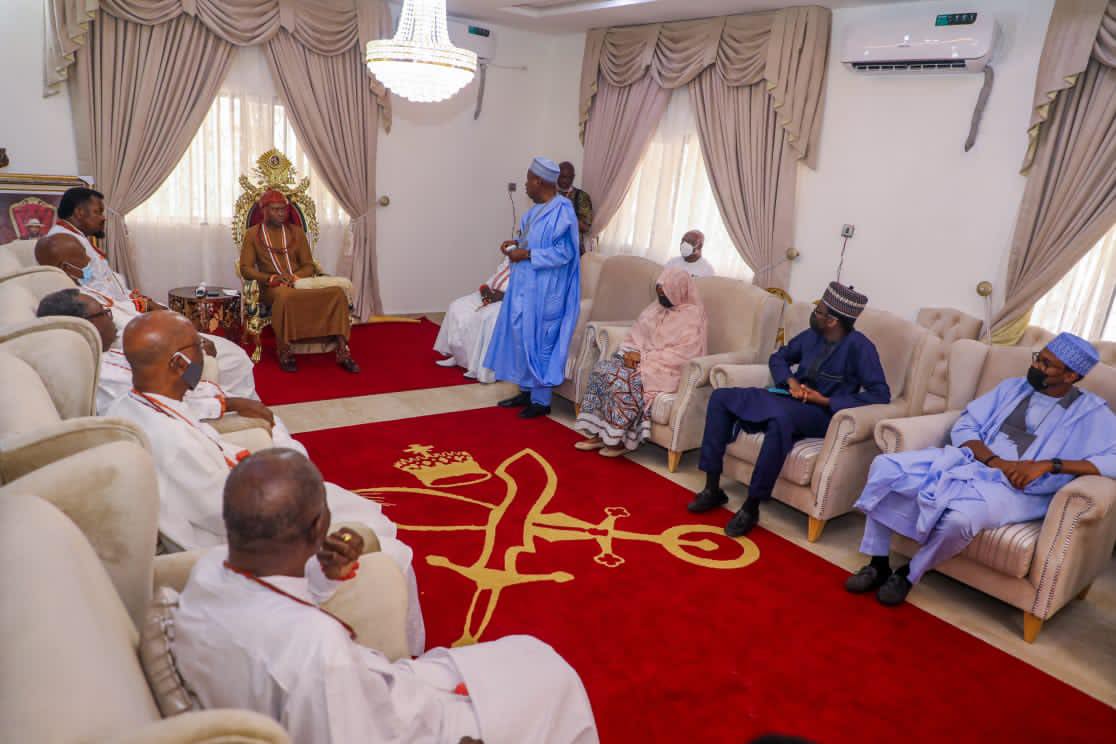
(495, 570)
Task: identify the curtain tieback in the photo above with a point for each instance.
(360, 218)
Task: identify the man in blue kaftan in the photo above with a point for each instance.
(1009, 453)
(540, 308)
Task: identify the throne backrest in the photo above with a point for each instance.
(274, 170)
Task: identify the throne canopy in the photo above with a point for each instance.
(274, 171)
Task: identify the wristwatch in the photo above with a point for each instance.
(1056, 465)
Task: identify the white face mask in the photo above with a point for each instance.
(687, 249)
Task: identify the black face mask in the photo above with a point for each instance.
(192, 374)
(1037, 379)
(816, 325)
(665, 302)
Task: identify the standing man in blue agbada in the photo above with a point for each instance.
(532, 335)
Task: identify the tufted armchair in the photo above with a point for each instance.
(949, 324)
(18, 254)
(824, 477)
(625, 285)
(22, 289)
(743, 324)
(1037, 566)
(1035, 337)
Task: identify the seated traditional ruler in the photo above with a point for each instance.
(284, 286)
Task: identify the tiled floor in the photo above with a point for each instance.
(1077, 646)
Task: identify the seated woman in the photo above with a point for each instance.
(616, 410)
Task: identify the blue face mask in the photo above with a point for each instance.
(86, 273)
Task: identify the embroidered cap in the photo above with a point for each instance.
(546, 169)
(1075, 352)
(844, 300)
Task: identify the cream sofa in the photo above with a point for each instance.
(823, 477)
(743, 323)
(625, 285)
(1107, 351)
(949, 324)
(1036, 566)
(21, 291)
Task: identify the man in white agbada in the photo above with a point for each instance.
(81, 215)
(467, 328)
(192, 460)
(207, 401)
(250, 632)
(690, 258)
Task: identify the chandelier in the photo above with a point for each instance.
(420, 63)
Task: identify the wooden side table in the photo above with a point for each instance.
(216, 313)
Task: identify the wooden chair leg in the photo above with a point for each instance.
(814, 529)
(673, 458)
(577, 410)
(1031, 627)
(1085, 592)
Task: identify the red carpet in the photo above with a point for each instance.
(670, 650)
(392, 356)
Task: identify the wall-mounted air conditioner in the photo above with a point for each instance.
(909, 39)
(476, 38)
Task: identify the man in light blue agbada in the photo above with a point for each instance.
(541, 304)
(1011, 451)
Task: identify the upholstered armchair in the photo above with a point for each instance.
(22, 289)
(743, 324)
(1107, 351)
(18, 254)
(949, 324)
(625, 286)
(1035, 337)
(274, 171)
(1037, 566)
(824, 477)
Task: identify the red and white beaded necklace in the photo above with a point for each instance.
(284, 252)
(166, 410)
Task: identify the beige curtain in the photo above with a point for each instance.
(752, 169)
(335, 115)
(623, 120)
(139, 96)
(327, 27)
(757, 83)
(1070, 199)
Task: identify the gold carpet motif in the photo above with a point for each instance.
(494, 570)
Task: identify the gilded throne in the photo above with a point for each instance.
(274, 171)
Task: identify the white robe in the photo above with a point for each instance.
(192, 463)
(467, 328)
(697, 269)
(241, 645)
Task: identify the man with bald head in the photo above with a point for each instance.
(253, 630)
(691, 260)
(192, 460)
(230, 366)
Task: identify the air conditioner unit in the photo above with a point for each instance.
(468, 35)
(913, 40)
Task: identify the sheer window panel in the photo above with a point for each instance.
(1084, 301)
(183, 233)
(671, 194)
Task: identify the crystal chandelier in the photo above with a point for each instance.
(420, 63)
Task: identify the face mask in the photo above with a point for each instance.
(816, 324)
(665, 302)
(86, 273)
(1037, 379)
(687, 249)
(193, 373)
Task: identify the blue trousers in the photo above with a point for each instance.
(782, 420)
(539, 395)
(958, 526)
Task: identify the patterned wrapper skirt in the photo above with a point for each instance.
(613, 407)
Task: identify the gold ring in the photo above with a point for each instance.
(346, 537)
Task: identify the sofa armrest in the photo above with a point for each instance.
(172, 570)
(25, 453)
(699, 369)
(915, 433)
(740, 375)
(1075, 543)
(202, 726)
(609, 336)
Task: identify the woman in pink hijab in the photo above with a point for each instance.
(616, 410)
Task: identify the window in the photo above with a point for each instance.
(183, 233)
(1084, 301)
(671, 194)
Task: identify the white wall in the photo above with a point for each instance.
(447, 174)
(38, 133)
(931, 220)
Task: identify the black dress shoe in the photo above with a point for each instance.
(534, 410)
(287, 364)
(349, 365)
(519, 401)
(743, 521)
(894, 591)
(707, 500)
(866, 579)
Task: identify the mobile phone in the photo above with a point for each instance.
(778, 391)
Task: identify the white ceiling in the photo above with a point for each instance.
(566, 16)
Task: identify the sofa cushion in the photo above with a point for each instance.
(167, 686)
(1009, 549)
(799, 466)
(662, 407)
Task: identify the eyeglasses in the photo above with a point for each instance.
(1038, 359)
(99, 313)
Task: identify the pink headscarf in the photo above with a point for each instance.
(668, 338)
